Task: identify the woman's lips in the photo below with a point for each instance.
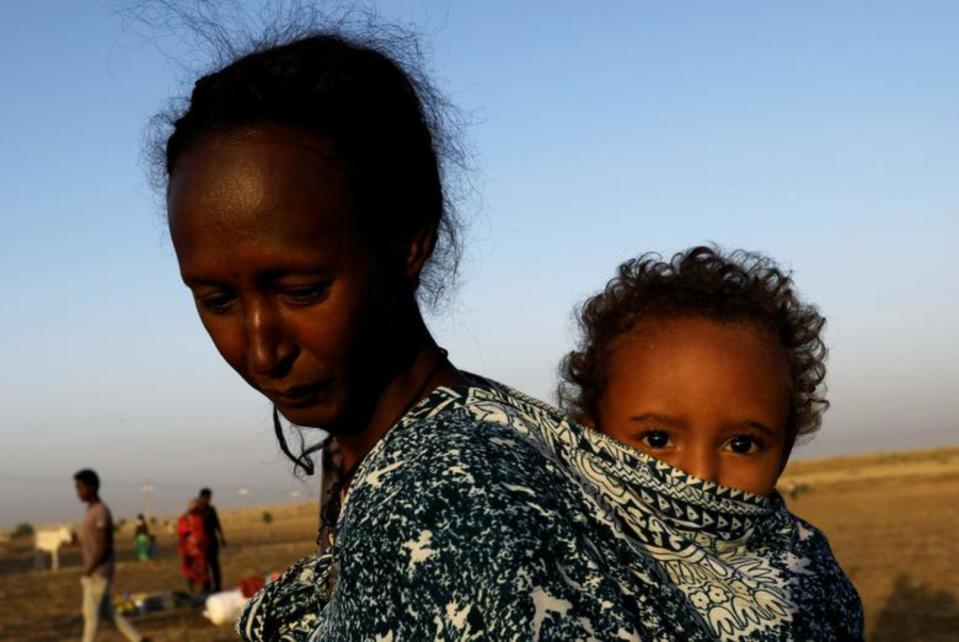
(299, 396)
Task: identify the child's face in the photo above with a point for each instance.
(708, 397)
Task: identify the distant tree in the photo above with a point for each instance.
(267, 517)
(120, 523)
(23, 529)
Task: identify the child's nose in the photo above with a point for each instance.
(702, 463)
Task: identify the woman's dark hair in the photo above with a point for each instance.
(88, 478)
(701, 282)
(387, 127)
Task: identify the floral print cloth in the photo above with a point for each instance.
(486, 515)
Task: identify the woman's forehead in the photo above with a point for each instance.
(256, 184)
(254, 164)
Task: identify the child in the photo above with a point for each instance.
(711, 364)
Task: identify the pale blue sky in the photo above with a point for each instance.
(822, 133)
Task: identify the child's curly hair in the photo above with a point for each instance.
(701, 282)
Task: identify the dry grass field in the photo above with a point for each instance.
(892, 520)
(43, 606)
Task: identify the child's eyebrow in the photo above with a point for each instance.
(763, 428)
(664, 420)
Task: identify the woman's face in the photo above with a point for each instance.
(284, 281)
(707, 397)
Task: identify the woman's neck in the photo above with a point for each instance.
(425, 369)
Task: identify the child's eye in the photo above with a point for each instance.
(743, 445)
(656, 439)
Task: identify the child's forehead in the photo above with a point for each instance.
(688, 349)
(657, 327)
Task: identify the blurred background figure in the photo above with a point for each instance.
(192, 546)
(141, 539)
(96, 545)
(214, 538)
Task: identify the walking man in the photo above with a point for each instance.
(96, 545)
(214, 538)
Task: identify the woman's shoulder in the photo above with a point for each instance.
(483, 435)
(469, 522)
(466, 459)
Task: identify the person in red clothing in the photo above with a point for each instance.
(192, 546)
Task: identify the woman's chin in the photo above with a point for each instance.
(323, 416)
(332, 413)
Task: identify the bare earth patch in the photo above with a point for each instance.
(892, 520)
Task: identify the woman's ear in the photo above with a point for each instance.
(418, 251)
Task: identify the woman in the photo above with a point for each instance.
(192, 545)
(308, 214)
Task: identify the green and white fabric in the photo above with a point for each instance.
(486, 515)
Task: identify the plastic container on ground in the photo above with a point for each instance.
(224, 607)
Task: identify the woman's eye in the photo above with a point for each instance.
(305, 295)
(743, 445)
(216, 303)
(656, 439)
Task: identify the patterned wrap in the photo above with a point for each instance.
(486, 515)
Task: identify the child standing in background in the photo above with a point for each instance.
(142, 539)
(711, 367)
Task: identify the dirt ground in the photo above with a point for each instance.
(892, 520)
(43, 606)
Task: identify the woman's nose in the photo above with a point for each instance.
(269, 349)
